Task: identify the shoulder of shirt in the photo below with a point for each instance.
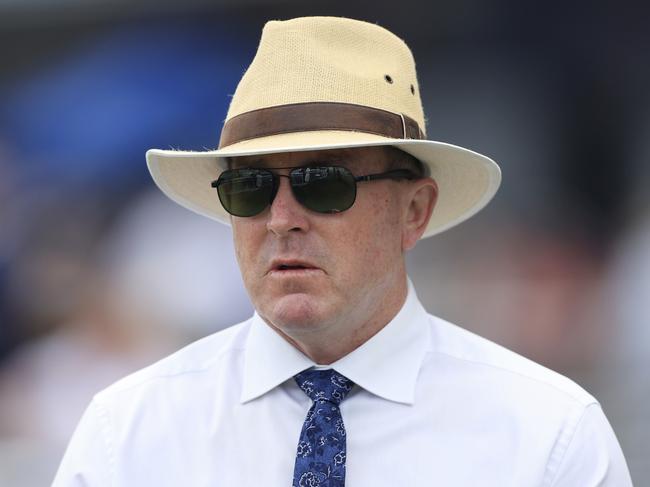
(197, 357)
(473, 350)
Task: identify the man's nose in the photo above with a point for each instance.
(286, 214)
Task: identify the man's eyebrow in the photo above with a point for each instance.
(237, 162)
(316, 160)
(258, 162)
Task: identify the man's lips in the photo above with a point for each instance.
(279, 266)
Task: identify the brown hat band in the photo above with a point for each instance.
(305, 117)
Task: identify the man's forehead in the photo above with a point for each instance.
(345, 156)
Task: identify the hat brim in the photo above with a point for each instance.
(466, 180)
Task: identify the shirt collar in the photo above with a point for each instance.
(386, 365)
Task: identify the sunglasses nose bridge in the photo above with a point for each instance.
(283, 190)
(286, 213)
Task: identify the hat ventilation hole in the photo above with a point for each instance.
(412, 90)
(388, 78)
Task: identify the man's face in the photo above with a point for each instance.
(306, 271)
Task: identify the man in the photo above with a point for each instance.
(340, 377)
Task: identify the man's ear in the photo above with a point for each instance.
(421, 199)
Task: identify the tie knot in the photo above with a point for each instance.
(324, 385)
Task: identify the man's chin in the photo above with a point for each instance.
(296, 311)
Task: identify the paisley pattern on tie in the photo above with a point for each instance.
(320, 458)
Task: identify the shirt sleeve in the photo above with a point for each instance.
(593, 456)
(87, 461)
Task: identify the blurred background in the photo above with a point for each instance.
(100, 274)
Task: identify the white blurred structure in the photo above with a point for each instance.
(629, 360)
(176, 268)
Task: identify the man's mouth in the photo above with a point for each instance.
(292, 265)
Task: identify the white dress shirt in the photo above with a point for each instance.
(433, 405)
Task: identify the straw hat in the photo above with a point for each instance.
(325, 83)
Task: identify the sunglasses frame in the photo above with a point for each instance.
(395, 174)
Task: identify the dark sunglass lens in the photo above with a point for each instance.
(245, 192)
(326, 189)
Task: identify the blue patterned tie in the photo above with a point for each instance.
(320, 459)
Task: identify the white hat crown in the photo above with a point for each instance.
(330, 59)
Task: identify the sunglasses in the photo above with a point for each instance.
(323, 189)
